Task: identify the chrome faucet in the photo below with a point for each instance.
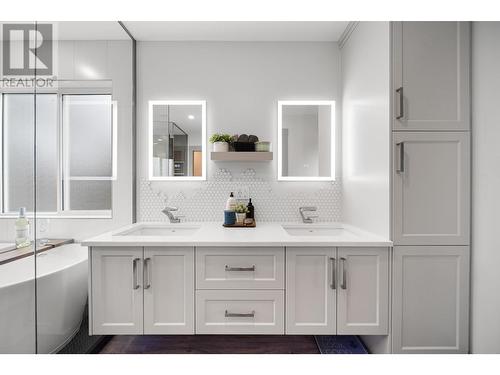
(309, 218)
(168, 211)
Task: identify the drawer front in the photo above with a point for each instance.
(239, 312)
(240, 268)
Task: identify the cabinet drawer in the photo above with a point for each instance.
(239, 268)
(239, 312)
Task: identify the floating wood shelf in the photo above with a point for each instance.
(241, 156)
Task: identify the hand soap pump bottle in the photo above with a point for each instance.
(22, 229)
(231, 202)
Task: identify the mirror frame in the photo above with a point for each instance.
(203, 104)
(282, 103)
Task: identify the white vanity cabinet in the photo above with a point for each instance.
(430, 299)
(337, 291)
(431, 76)
(431, 194)
(363, 291)
(311, 292)
(168, 290)
(136, 290)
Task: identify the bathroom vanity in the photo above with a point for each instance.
(206, 279)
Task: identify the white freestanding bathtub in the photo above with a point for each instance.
(61, 296)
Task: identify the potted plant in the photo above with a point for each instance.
(241, 213)
(220, 142)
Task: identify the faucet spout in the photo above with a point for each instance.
(168, 211)
(307, 219)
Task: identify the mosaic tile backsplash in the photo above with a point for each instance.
(272, 203)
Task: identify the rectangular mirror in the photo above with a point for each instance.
(177, 140)
(306, 140)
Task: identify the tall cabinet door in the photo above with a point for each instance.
(311, 290)
(430, 299)
(117, 291)
(431, 188)
(169, 290)
(363, 291)
(431, 65)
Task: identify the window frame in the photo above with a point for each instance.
(74, 89)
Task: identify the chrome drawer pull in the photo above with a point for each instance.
(147, 271)
(344, 273)
(228, 268)
(228, 314)
(134, 273)
(333, 283)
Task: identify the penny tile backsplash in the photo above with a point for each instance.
(206, 203)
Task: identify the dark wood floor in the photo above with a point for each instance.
(211, 344)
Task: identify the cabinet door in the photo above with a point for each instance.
(431, 64)
(430, 301)
(363, 291)
(310, 290)
(117, 291)
(169, 290)
(431, 188)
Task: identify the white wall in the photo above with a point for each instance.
(366, 128)
(485, 251)
(92, 61)
(242, 83)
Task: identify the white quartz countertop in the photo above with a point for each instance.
(214, 234)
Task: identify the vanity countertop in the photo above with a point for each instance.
(214, 234)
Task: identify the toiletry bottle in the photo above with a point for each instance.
(22, 229)
(231, 202)
(251, 210)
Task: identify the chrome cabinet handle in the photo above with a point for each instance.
(134, 270)
(333, 263)
(401, 104)
(401, 160)
(147, 270)
(344, 272)
(228, 314)
(229, 268)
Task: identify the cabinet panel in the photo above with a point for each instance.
(169, 290)
(240, 268)
(363, 291)
(310, 290)
(431, 188)
(431, 63)
(430, 302)
(117, 293)
(239, 312)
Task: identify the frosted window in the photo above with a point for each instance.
(88, 156)
(18, 152)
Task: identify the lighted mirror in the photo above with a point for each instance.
(177, 140)
(306, 140)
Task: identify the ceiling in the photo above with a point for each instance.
(236, 31)
(245, 31)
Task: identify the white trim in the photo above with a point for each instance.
(351, 26)
(331, 103)
(203, 177)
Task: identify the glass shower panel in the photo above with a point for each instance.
(17, 181)
(92, 91)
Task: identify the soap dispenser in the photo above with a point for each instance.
(22, 229)
(231, 202)
(251, 210)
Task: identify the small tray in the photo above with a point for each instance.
(236, 225)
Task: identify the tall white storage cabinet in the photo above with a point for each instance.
(431, 186)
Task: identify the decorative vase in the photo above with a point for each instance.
(240, 217)
(220, 147)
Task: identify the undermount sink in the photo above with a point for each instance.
(312, 230)
(160, 230)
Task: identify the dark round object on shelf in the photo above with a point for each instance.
(253, 138)
(243, 138)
